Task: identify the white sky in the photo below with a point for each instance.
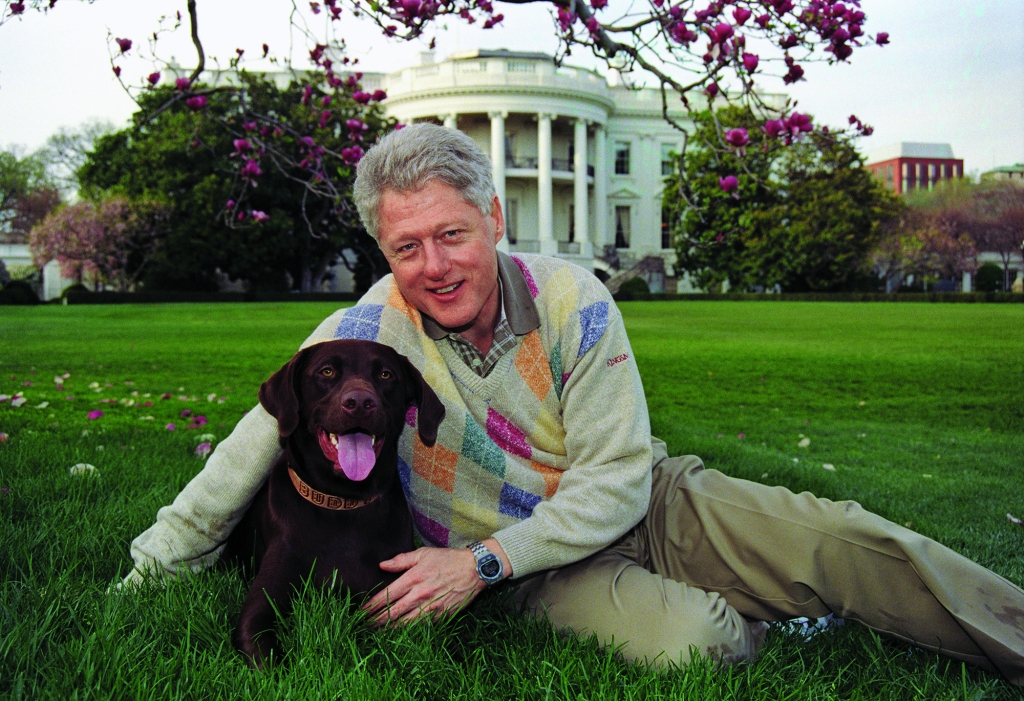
(954, 71)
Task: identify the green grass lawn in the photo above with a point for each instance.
(919, 408)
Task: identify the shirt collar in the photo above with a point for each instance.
(516, 303)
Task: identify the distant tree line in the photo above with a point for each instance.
(810, 218)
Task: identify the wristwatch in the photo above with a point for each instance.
(488, 565)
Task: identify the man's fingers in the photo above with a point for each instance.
(402, 561)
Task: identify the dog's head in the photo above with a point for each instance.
(346, 401)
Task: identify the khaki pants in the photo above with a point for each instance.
(715, 553)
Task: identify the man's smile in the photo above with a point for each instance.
(446, 290)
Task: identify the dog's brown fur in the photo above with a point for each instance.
(338, 386)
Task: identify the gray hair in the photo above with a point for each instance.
(407, 159)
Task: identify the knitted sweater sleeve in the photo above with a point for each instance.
(607, 488)
(189, 533)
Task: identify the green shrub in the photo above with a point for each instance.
(18, 292)
(989, 278)
(77, 288)
(635, 288)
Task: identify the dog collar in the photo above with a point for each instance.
(326, 501)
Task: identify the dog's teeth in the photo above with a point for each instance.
(334, 440)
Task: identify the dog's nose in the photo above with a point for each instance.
(358, 402)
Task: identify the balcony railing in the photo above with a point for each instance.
(530, 163)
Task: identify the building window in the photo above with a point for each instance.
(918, 175)
(932, 176)
(572, 223)
(622, 227)
(888, 176)
(622, 158)
(667, 151)
(666, 228)
(512, 221)
(906, 177)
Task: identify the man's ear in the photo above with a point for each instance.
(431, 410)
(279, 398)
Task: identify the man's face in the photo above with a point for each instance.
(442, 253)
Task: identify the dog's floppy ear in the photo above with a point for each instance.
(431, 410)
(279, 398)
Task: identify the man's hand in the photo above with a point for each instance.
(437, 581)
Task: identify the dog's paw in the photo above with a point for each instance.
(261, 651)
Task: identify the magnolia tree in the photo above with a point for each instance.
(110, 242)
(693, 50)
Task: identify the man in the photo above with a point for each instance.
(545, 463)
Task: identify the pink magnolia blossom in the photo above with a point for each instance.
(750, 62)
(763, 20)
(774, 127)
(882, 38)
(325, 100)
(259, 217)
(711, 90)
(94, 414)
(124, 44)
(241, 146)
(362, 97)
(153, 78)
(250, 171)
(197, 103)
(356, 125)
(598, 4)
(117, 71)
(737, 137)
(722, 32)
(307, 93)
(741, 15)
(182, 84)
(380, 95)
(17, 8)
(729, 184)
(325, 118)
(352, 155)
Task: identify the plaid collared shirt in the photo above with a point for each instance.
(504, 341)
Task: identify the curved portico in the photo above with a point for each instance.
(544, 127)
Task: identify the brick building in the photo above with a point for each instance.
(910, 166)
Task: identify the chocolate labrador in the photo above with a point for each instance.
(334, 502)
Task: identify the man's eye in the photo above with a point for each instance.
(327, 372)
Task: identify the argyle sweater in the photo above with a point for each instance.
(550, 453)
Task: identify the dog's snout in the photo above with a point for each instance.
(358, 402)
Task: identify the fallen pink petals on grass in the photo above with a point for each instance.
(186, 412)
(829, 466)
(4, 437)
(1014, 520)
(203, 449)
(170, 427)
(18, 401)
(201, 420)
(94, 414)
(741, 435)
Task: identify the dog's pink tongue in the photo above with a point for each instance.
(355, 455)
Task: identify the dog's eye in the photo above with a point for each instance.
(385, 375)
(327, 372)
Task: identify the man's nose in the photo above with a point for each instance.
(437, 262)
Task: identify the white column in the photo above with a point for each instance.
(600, 237)
(579, 187)
(449, 121)
(966, 283)
(498, 165)
(545, 229)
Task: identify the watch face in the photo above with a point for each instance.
(491, 568)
